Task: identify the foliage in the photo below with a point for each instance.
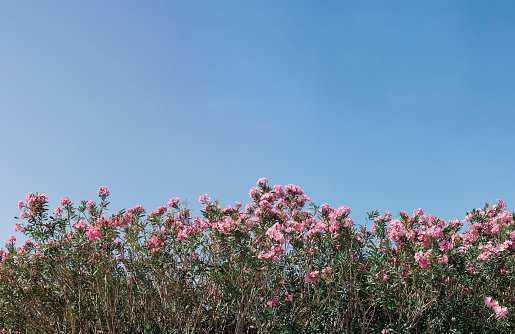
(271, 267)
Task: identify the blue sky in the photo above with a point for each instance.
(370, 104)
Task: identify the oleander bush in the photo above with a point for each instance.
(273, 266)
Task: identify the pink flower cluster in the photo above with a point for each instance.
(102, 191)
(136, 209)
(93, 232)
(159, 211)
(90, 204)
(312, 277)
(65, 201)
(423, 258)
(33, 203)
(500, 311)
(273, 302)
(80, 225)
(173, 201)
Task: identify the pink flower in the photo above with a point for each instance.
(89, 204)
(103, 191)
(278, 191)
(20, 205)
(18, 227)
(57, 211)
(417, 212)
(80, 224)
(154, 242)
(173, 201)
(136, 209)
(445, 245)
(484, 256)
(262, 181)
(204, 199)
(311, 276)
(421, 257)
(501, 311)
(296, 190)
(65, 201)
(489, 301)
(289, 296)
(159, 211)
(253, 191)
(93, 232)
(374, 229)
(274, 232)
(273, 302)
(11, 238)
(443, 259)
(384, 331)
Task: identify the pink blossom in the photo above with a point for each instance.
(93, 232)
(374, 229)
(417, 212)
(445, 245)
(253, 191)
(484, 256)
(273, 302)
(20, 205)
(293, 189)
(103, 191)
(173, 201)
(262, 181)
(21, 250)
(505, 272)
(443, 259)
(154, 242)
(489, 301)
(65, 201)
(274, 232)
(11, 238)
(184, 233)
(278, 191)
(421, 257)
(90, 204)
(384, 331)
(204, 199)
(18, 227)
(159, 211)
(289, 296)
(311, 276)
(57, 211)
(501, 311)
(80, 225)
(136, 209)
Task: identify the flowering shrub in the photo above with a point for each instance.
(272, 266)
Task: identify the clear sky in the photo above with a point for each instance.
(370, 104)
